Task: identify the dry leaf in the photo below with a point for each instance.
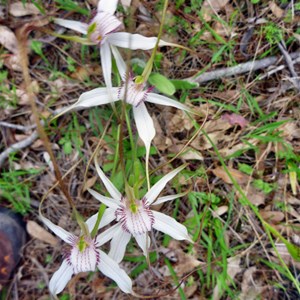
(38, 232)
(233, 268)
(239, 176)
(272, 216)
(285, 255)
(8, 39)
(255, 196)
(250, 290)
(276, 10)
(183, 262)
(221, 210)
(211, 7)
(191, 154)
(19, 9)
(235, 119)
(83, 73)
(89, 183)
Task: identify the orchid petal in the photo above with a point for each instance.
(143, 241)
(162, 100)
(134, 41)
(145, 126)
(118, 244)
(110, 202)
(74, 25)
(108, 184)
(112, 270)
(95, 97)
(60, 278)
(170, 226)
(167, 198)
(121, 65)
(131, 41)
(107, 235)
(108, 217)
(108, 6)
(105, 55)
(157, 188)
(60, 232)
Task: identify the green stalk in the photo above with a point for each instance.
(101, 211)
(148, 69)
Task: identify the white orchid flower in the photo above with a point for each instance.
(84, 256)
(135, 217)
(132, 93)
(102, 30)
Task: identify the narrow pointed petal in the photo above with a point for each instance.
(112, 270)
(157, 188)
(118, 244)
(60, 232)
(134, 41)
(143, 241)
(131, 41)
(162, 100)
(74, 25)
(121, 65)
(108, 6)
(167, 198)
(107, 235)
(105, 55)
(144, 124)
(170, 226)
(60, 278)
(108, 217)
(95, 97)
(108, 184)
(110, 202)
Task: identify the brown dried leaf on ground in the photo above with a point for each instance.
(20, 9)
(255, 196)
(272, 216)
(239, 176)
(233, 268)
(38, 232)
(212, 7)
(250, 288)
(285, 255)
(8, 39)
(276, 10)
(235, 119)
(183, 262)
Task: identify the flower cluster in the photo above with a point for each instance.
(125, 217)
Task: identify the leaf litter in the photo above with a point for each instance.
(234, 123)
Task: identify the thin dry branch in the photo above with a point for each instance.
(290, 64)
(239, 69)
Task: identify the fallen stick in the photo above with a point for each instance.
(18, 146)
(27, 141)
(239, 69)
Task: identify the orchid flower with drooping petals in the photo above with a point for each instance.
(135, 217)
(136, 95)
(102, 30)
(84, 256)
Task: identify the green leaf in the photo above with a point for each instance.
(246, 169)
(67, 147)
(183, 84)
(162, 83)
